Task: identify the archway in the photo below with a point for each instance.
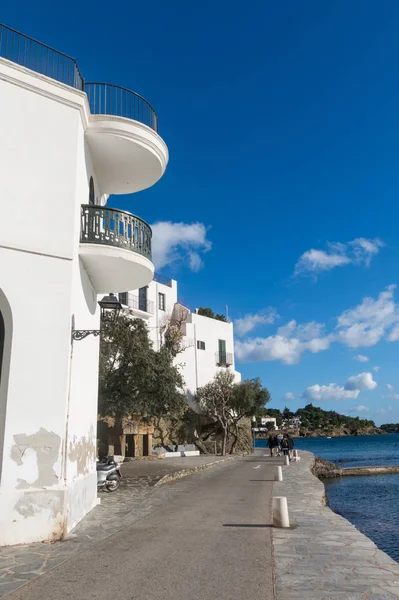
(5, 359)
(2, 334)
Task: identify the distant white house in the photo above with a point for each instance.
(293, 423)
(208, 344)
(263, 422)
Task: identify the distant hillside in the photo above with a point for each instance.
(315, 421)
(390, 427)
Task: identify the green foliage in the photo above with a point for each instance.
(215, 399)
(274, 412)
(313, 417)
(230, 402)
(249, 398)
(208, 312)
(288, 414)
(133, 377)
(390, 427)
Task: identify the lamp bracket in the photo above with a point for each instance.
(81, 334)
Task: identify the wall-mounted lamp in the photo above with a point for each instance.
(110, 309)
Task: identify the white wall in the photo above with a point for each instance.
(49, 411)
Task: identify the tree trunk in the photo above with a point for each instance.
(224, 444)
(234, 444)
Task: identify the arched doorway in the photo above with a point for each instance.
(2, 336)
(6, 327)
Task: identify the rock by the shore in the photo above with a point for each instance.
(323, 469)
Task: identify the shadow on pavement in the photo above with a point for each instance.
(244, 525)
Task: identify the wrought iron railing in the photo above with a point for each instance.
(131, 301)
(224, 359)
(112, 227)
(34, 55)
(108, 99)
(162, 279)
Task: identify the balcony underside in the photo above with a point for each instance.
(111, 268)
(127, 156)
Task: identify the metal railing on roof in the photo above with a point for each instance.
(29, 53)
(114, 100)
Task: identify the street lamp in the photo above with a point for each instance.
(110, 309)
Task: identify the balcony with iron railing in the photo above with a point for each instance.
(136, 303)
(224, 359)
(127, 152)
(115, 248)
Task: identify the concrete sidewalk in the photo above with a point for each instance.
(324, 556)
(137, 497)
(210, 540)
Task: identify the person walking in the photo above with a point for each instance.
(290, 446)
(271, 444)
(285, 445)
(278, 441)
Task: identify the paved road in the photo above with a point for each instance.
(212, 543)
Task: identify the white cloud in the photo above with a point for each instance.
(249, 322)
(392, 396)
(359, 408)
(370, 321)
(315, 261)
(361, 382)
(390, 387)
(179, 242)
(288, 345)
(289, 396)
(394, 335)
(361, 358)
(358, 251)
(324, 393)
(364, 325)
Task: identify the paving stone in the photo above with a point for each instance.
(325, 557)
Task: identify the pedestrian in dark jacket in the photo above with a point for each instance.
(290, 446)
(271, 444)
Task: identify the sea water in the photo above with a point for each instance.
(370, 502)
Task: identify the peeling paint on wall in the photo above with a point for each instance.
(83, 452)
(46, 445)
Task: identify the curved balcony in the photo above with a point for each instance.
(127, 152)
(115, 248)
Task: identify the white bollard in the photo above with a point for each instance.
(278, 475)
(286, 460)
(280, 512)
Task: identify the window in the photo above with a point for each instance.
(143, 298)
(222, 352)
(200, 345)
(161, 301)
(91, 191)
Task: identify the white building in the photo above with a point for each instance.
(265, 420)
(208, 343)
(65, 146)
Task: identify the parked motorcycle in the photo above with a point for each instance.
(108, 474)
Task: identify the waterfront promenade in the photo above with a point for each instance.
(324, 556)
(210, 536)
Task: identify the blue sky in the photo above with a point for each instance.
(282, 122)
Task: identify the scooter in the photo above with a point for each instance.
(108, 475)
